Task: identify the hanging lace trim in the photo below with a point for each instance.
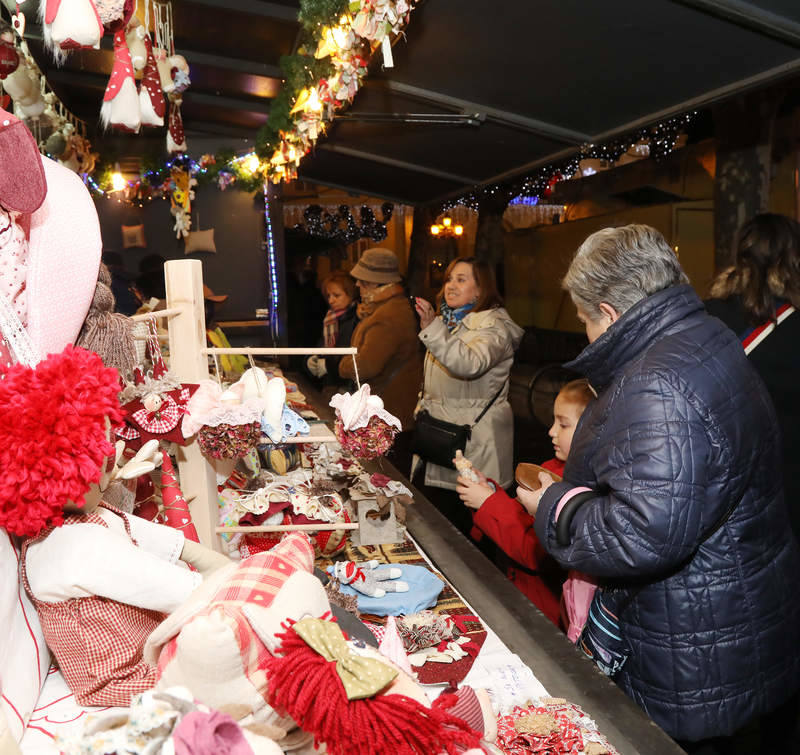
(15, 335)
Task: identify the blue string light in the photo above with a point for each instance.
(269, 247)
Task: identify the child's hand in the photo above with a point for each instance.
(473, 494)
(530, 498)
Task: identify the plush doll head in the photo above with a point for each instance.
(54, 422)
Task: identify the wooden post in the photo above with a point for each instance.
(187, 339)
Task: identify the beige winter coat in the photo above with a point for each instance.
(463, 370)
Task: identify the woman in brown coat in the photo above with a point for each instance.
(389, 356)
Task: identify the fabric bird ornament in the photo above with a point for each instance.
(120, 109)
(365, 577)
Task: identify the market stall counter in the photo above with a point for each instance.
(556, 663)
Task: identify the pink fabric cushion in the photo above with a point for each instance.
(63, 260)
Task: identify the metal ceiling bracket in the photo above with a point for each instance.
(532, 125)
(441, 119)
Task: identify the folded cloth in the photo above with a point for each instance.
(424, 588)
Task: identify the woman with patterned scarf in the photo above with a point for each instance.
(470, 349)
(339, 290)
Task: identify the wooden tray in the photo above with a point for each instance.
(527, 476)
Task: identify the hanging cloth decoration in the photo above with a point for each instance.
(176, 141)
(176, 509)
(159, 401)
(151, 100)
(120, 109)
(70, 25)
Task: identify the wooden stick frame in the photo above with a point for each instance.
(186, 324)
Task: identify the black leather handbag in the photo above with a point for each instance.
(436, 440)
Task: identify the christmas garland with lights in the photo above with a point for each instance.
(341, 226)
(660, 140)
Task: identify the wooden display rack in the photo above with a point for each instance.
(188, 360)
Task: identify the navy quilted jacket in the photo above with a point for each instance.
(681, 431)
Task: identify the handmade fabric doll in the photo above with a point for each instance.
(365, 577)
(101, 581)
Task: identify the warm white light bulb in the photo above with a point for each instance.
(118, 182)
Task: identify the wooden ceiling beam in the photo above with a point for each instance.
(401, 164)
(749, 16)
(260, 8)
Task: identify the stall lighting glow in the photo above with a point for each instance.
(252, 163)
(446, 228)
(118, 182)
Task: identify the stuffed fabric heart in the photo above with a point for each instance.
(209, 645)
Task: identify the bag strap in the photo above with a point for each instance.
(755, 336)
(489, 405)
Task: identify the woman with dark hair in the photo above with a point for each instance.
(339, 290)
(763, 287)
(470, 342)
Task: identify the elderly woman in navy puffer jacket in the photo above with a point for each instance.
(681, 435)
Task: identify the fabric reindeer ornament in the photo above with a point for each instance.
(365, 577)
(120, 109)
(151, 100)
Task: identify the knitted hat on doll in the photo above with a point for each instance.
(53, 441)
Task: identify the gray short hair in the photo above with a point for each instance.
(621, 266)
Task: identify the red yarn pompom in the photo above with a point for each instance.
(53, 436)
(306, 686)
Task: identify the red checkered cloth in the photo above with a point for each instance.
(257, 580)
(97, 642)
(162, 421)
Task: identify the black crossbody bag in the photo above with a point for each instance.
(436, 440)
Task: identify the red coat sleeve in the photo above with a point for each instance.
(507, 523)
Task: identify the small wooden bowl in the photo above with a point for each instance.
(527, 476)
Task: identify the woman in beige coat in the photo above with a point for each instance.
(470, 349)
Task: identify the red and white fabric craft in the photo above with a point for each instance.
(120, 109)
(70, 25)
(151, 99)
(176, 140)
(176, 509)
(362, 425)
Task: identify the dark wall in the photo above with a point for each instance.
(239, 268)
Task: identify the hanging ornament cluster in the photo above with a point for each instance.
(58, 133)
(341, 226)
(324, 75)
(657, 141)
(80, 24)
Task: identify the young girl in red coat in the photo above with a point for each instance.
(506, 521)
